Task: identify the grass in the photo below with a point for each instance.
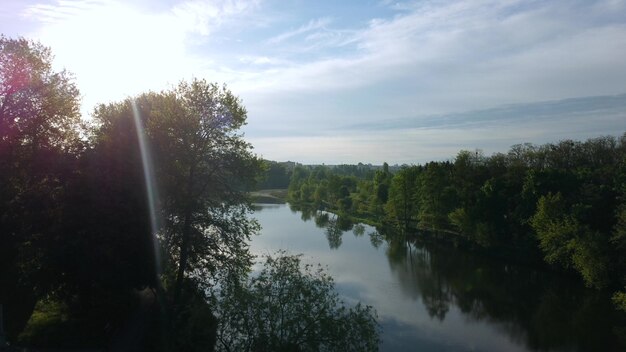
(51, 326)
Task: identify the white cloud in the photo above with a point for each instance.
(204, 16)
(63, 9)
(459, 56)
(263, 60)
(430, 58)
(311, 26)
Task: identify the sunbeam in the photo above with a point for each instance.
(151, 189)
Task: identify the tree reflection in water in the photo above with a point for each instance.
(334, 225)
(533, 307)
(539, 309)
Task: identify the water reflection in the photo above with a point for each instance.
(535, 308)
(258, 207)
(434, 297)
(334, 225)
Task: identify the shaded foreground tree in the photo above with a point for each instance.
(202, 171)
(291, 307)
(39, 124)
(203, 168)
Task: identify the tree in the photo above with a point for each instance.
(568, 243)
(401, 206)
(203, 169)
(276, 175)
(39, 128)
(289, 308)
(381, 187)
(39, 107)
(436, 195)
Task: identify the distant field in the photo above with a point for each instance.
(269, 196)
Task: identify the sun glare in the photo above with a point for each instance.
(116, 51)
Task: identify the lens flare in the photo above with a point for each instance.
(151, 189)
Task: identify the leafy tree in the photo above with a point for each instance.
(436, 195)
(566, 242)
(39, 128)
(276, 175)
(287, 307)
(382, 178)
(344, 202)
(298, 177)
(203, 169)
(39, 108)
(401, 205)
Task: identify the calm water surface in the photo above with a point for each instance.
(436, 298)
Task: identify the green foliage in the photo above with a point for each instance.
(590, 259)
(203, 169)
(51, 326)
(619, 299)
(554, 229)
(401, 205)
(276, 176)
(461, 220)
(291, 307)
(619, 231)
(436, 195)
(75, 225)
(39, 129)
(39, 107)
(183, 323)
(566, 242)
(563, 202)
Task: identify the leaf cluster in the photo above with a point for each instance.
(287, 306)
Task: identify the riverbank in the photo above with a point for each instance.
(269, 196)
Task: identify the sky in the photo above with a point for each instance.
(356, 80)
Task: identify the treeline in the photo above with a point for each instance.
(277, 175)
(564, 202)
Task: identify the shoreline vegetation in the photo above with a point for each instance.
(561, 205)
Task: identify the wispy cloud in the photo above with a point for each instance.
(311, 26)
(62, 10)
(610, 108)
(263, 61)
(467, 55)
(440, 67)
(204, 16)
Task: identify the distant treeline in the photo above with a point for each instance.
(563, 202)
(277, 175)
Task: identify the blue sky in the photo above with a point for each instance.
(350, 81)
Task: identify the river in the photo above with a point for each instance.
(432, 297)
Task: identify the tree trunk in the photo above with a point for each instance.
(184, 246)
(184, 254)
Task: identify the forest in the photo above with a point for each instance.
(560, 204)
(130, 230)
